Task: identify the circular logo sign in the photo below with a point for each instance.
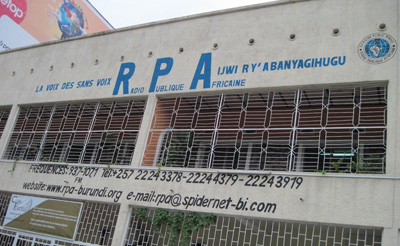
(377, 48)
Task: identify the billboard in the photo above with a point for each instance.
(45, 216)
(27, 22)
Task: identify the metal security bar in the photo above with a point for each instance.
(4, 201)
(234, 231)
(329, 130)
(4, 114)
(96, 226)
(14, 238)
(97, 223)
(91, 133)
(7, 237)
(28, 240)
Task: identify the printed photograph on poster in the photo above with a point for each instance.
(41, 215)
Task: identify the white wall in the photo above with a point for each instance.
(336, 198)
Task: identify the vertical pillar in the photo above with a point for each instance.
(121, 226)
(145, 126)
(390, 236)
(8, 129)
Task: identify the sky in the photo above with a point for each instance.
(122, 13)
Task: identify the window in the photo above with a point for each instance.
(92, 133)
(96, 226)
(244, 231)
(4, 114)
(307, 130)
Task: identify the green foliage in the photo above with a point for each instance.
(42, 158)
(177, 223)
(356, 165)
(174, 222)
(109, 166)
(359, 165)
(336, 164)
(176, 150)
(195, 221)
(14, 165)
(159, 165)
(320, 171)
(141, 213)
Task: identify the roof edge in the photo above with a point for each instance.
(162, 22)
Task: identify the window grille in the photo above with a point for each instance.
(96, 226)
(97, 223)
(4, 114)
(307, 130)
(234, 231)
(4, 201)
(7, 237)
(92, 133)
(24, 240)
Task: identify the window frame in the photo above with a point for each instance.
(81, 132)
(325, 108)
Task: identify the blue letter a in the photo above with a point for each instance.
(204, 62)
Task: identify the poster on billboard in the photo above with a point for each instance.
(45, 216)
(27, 22)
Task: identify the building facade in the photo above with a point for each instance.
(273, 124)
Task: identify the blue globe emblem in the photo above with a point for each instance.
(377, 48)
